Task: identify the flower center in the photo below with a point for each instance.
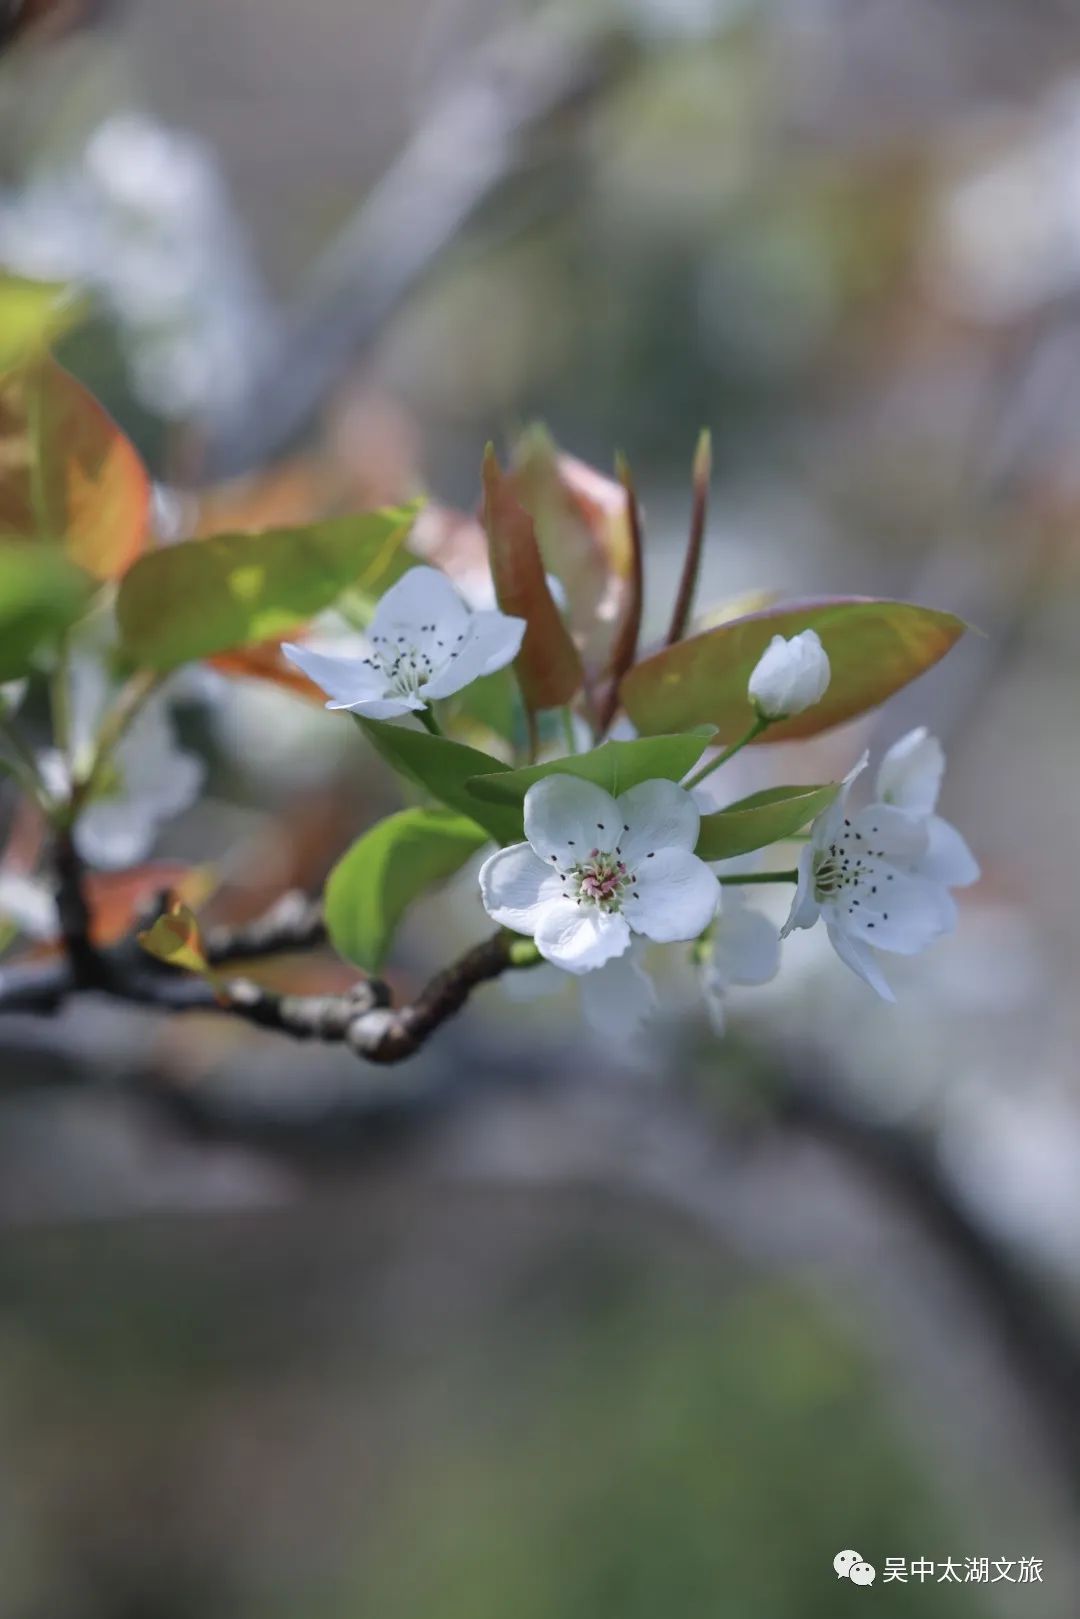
(408, 662)
(602, 880)
(851, 872)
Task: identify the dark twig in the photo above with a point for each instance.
(294, 922)
(360, 1018)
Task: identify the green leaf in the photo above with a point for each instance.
(615, 766)
(372, 886)
(41, 594)
(874, 647)
(761, 819)
(443, 767)
(207, 596)
(32, 315)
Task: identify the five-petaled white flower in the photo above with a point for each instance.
(596, 867)
(423, 643)
(789, 676)
(877, 876)
(742, 947)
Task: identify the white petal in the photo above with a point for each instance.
(674, 897)
(567, 817)
(892, 910)
(422, 596)
(491, 641)
(825, 827)
(346, 681)
(660, 815)
(804, 910)
(516, 887)
(383, 708)
(947, 859)
(910, 773)
(619, 998)
(896, 835)
(861, 961)
(578, 938)
(745, 945)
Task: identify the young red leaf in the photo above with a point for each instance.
(548, 665)
(874, 648)
(582, 524)
(67, 473)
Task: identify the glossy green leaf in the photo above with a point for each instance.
(208, 596)
(33, 314)
(41, 594)
(874, 647)
(68, 475)
(442, 768)
(372, 886)
(615, 766)
(761, 819)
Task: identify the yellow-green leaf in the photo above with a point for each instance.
(874, 648)
(33, 314)
(176, 940)
(203, 597)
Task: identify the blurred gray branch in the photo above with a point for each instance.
(477, 134)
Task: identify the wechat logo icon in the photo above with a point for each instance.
(853, 1566)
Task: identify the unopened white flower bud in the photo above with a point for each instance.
(789, 676)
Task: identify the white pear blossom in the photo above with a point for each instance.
(869, 874)
(743, 947)
(909, 778)
(789, 676)
(147, 781)
(423, 643)
(596, 868)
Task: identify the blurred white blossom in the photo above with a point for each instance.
(143, 218)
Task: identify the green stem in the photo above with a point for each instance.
(60, 704)
(430, 723)
(737, 878)
(760, 724)
(23, 766)
(130, 698)
(568, 729)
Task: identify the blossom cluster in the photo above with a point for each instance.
(599, 875)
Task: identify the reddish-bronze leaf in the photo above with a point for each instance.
(67, 473)
(548, 665)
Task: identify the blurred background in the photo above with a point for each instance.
(530, 1328)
